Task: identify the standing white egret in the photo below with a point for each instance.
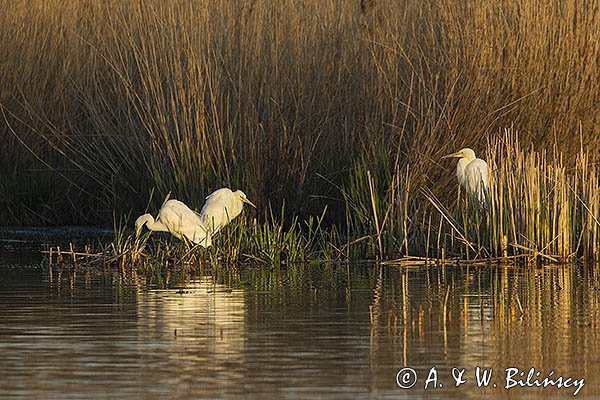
(472, 173)
(221, 207)
(179, 220)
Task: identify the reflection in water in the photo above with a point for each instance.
(200, 332)
(543, 318)
(497, 318)
(295, 332)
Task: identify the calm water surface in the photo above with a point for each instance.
(293, 332)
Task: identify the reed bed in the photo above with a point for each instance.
(272, 243)
(540, 204)
(539, 210)
(340, 105)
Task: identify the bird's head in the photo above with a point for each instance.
(140, 222)
(462, 153)
(243, 198)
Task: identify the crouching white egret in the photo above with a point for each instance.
(179, 220)
(472, 173)
(221, 207)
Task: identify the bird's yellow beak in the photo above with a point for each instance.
(248, 202)
(457, 154)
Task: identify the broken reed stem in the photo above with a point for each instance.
(73, 255)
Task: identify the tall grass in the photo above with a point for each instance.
(538, 207)
(272, 243)
(296, 101)
(543, 202)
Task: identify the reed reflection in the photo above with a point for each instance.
(295, 331)
(493, 317)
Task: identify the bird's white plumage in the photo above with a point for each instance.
(472, 174)
(461, 165)
(477, 179)
(179, 220)
(221, 207)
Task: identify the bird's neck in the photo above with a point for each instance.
(156, 226)
(143, 220)
(151, 224)
(463, 162)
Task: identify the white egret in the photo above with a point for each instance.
(179, 220)
(472, 173)
(221, 207)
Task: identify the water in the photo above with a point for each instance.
(300, 331)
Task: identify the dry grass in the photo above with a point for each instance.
(541, 204)
(292, 100)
